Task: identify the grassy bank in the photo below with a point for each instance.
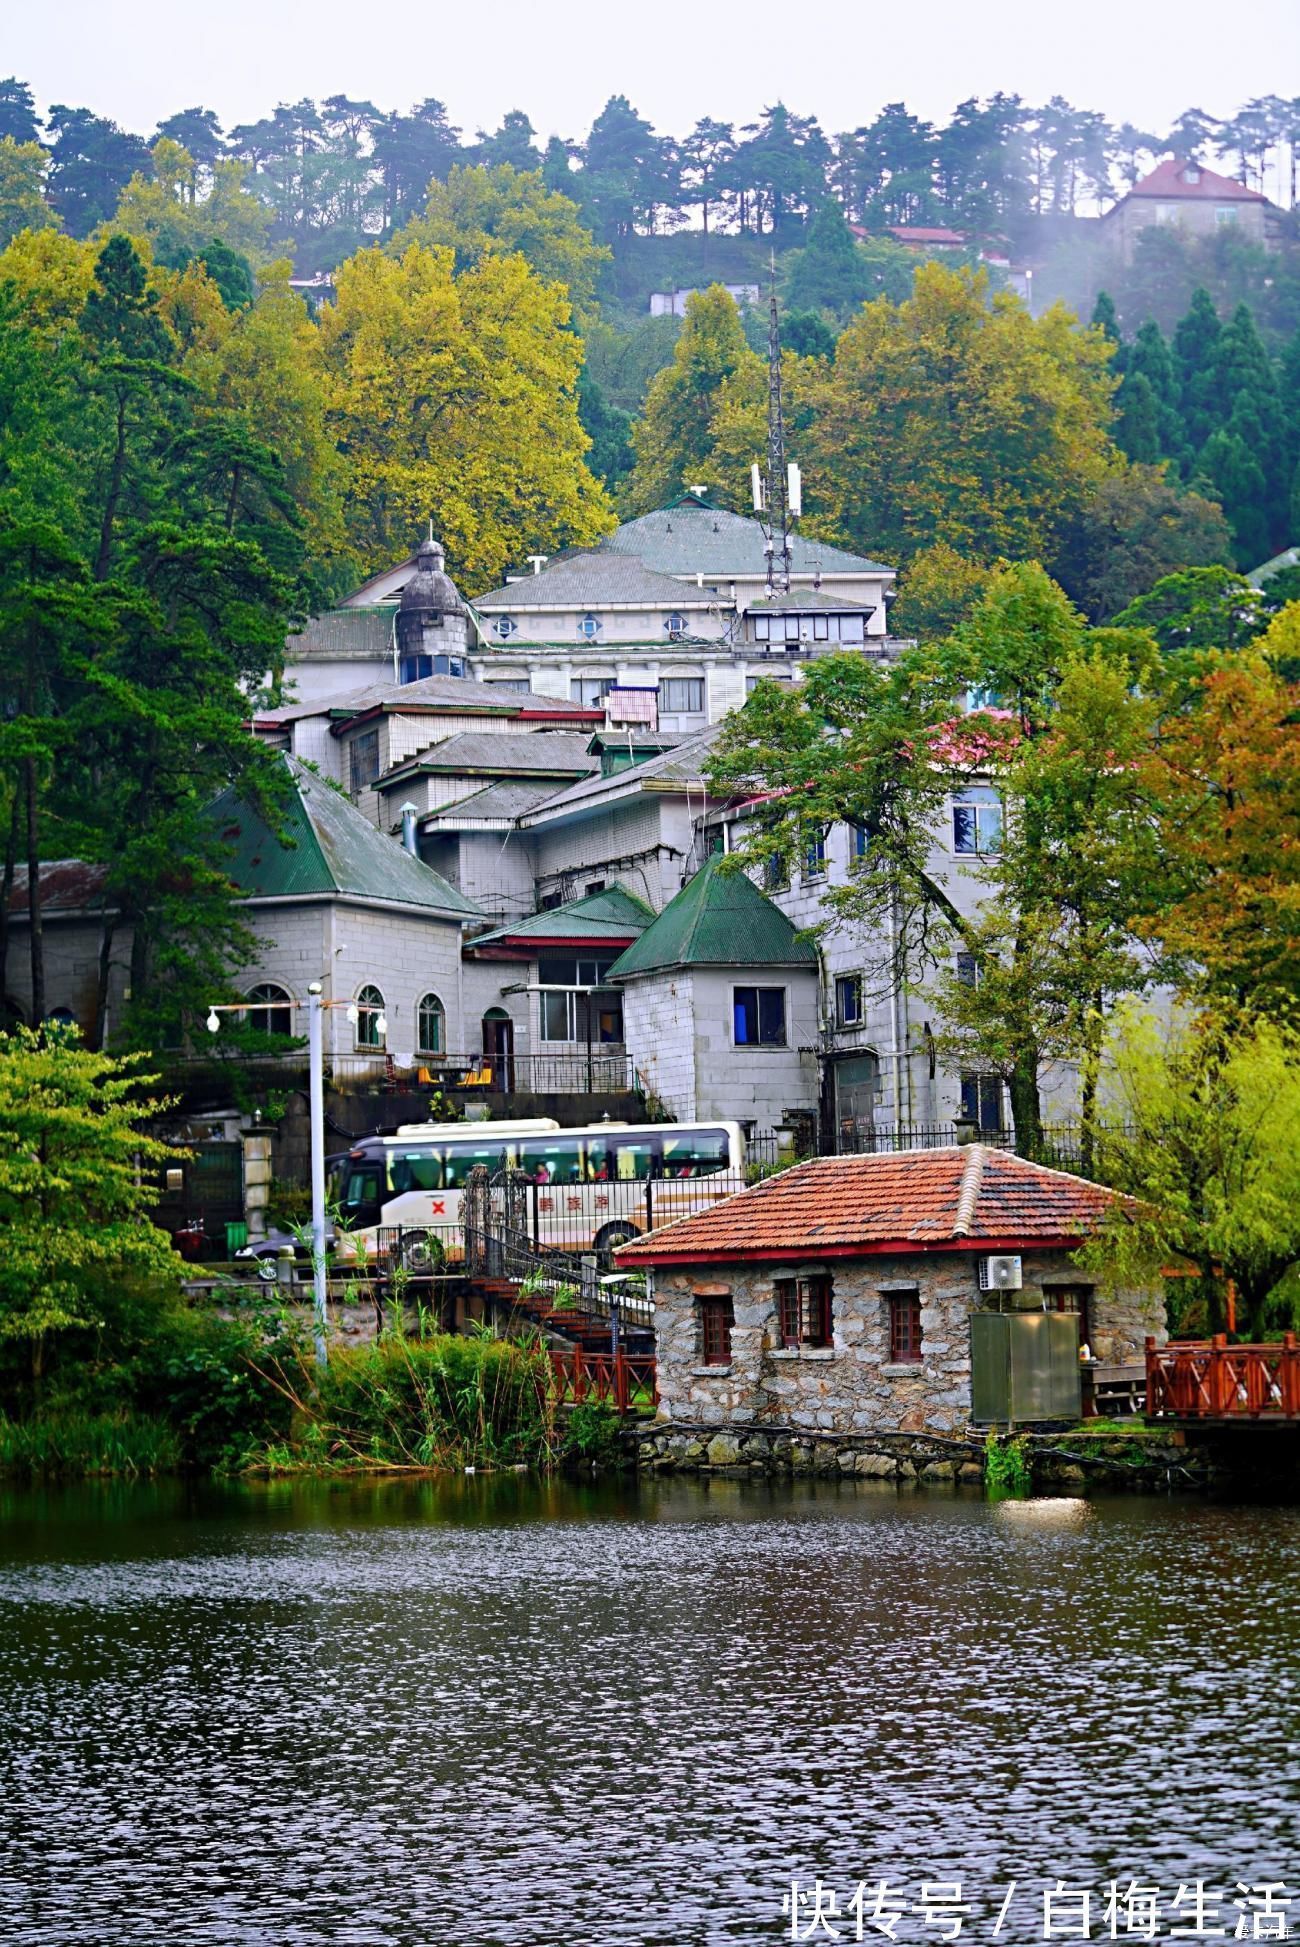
(202, 1392)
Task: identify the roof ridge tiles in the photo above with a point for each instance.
(968, 1195)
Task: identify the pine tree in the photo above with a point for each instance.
(830, 273)
(1195, 353)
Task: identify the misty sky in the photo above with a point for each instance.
(138, 60)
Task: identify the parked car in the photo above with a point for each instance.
(265, 1251)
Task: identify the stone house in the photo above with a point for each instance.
(720, 1006)
(839, 1296)
(1183, 191)
(326, 897)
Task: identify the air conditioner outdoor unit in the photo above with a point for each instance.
(1000, 1274)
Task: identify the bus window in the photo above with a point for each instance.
(636, 1158)
(697, 1152)
(460, 1160)
(415, 1169)
(361, 1196)
(549, 1159)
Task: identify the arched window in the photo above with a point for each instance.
(589, 627)
(431, 1025)
(504, 626)
(270, 1009)
(370, 1014)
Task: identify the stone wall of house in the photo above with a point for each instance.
(657, 1016)
(851, 1385)
(756, 1085)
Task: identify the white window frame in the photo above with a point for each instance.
(370, 1005)
(505, 626)
(850, 983)
(423, 1008)
(589, 627)
(980, 800)
(681, 709)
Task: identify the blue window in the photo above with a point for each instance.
(505, 626)
(857, 844)
(759, 1015)
(977, 821)
(814, 858)
(589, 627)
(981, 1103)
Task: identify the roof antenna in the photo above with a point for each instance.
(778, 487)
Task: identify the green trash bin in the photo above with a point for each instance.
(236, 1238)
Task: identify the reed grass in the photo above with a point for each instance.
(75, 1444)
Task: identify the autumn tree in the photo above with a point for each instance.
(491, 211)
(22, 186)
(456, 399)
(1224, 774)
(676, 434)
(167, 208)
(955, 416)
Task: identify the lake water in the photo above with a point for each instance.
(500, 1711)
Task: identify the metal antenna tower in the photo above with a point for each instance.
(777, 490)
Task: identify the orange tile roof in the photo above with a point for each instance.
(969, 1198)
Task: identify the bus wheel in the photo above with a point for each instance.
(420, 1253)
(609, 1239)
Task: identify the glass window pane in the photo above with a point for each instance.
(556, 1017)
(850, 628)
(745, 1010)
(964, 837)
(771, 1016)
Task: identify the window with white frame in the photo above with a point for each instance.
(675, 625)
(776, 872)
(431, 1025)
(520, 684)
(1226, 215)
(762, 627)
(857, 844)
(968, 969)
(589, 627)
(681, 695)
(505, 626)
(792, 628)
(976, 821)
(851, 628)
(270, 1009)
(370, 1025)
(758, 1017)
(849, 1012)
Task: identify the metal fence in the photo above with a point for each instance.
(580, 1072)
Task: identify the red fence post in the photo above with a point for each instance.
(579, 1376)
(620, 1382)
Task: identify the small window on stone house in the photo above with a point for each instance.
(716, 1319)
(904, 1328)
(803, 1311)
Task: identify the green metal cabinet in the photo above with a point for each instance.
(1024, 1366)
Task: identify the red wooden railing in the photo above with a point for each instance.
(1208, 1379)
(623, 1380)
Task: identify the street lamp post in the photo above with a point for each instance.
(316, 1069)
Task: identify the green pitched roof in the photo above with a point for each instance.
(608, 915)
(327, 846)
(718, 919)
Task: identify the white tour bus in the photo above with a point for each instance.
(587, 1189)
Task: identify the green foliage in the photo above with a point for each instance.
(434, 1402)
(22, 182)
(1197, 608)
(1138, 528)
(593, 1433)
(830, 273)
(1007, 1465)
(75, 1171)
(74, 1444)
(1207, 1142)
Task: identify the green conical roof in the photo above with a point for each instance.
(718, 919)
(325, 845)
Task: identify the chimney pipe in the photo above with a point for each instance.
(409, 814)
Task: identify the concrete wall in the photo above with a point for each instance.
(657, 1017)
(640, 841)
(758, 1085)
(851, 1385)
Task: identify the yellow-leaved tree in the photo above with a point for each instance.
(955, 416)
(455, 398)
(169, 208)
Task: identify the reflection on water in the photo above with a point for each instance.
(502, 1711)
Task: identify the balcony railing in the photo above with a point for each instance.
(467, 1076)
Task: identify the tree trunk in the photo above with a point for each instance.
(1092, 1030)
(139, 960)
(35, 935)
(105, 973)
(1026, 1108)
(7, 890)
(104, 553)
